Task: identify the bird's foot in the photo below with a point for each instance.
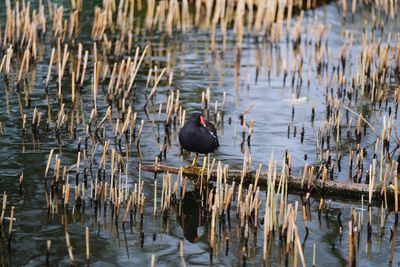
(193, 169)
(190, 168)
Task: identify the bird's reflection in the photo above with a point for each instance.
(190, 215)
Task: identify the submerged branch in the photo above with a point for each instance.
(332, 189)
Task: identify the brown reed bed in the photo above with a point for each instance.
(107, 67)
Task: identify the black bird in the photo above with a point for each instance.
(198, 135)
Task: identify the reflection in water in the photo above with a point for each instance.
(190, 215)
(311, 75)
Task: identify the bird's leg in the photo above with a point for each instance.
(194, 163)
(203, 168)
(192, 167)
(205, 162)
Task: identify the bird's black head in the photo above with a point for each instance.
(197, 118)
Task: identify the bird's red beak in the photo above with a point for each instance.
(202, 121)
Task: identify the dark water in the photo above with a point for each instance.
(195, 67)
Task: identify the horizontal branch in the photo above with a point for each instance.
(332, 189)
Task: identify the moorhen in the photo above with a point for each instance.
(198, 135)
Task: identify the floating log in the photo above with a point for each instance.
(329, 189)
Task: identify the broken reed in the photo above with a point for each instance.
(63, 60)
(370, 81)
(219, 200)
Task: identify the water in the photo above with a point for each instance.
(195, 67)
